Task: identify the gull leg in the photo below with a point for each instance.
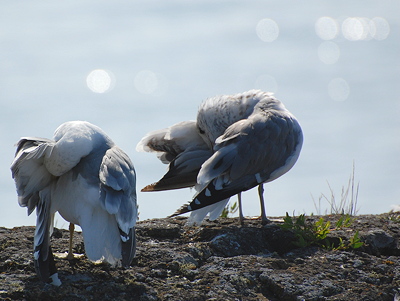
(70, 255)
(241, 217)
(71, 234)
(264, 218)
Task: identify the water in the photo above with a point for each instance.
(158, 60)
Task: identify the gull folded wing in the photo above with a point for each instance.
(118, 196)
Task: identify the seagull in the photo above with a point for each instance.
(253, 140)
(90, 181)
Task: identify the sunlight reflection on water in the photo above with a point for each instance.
(199, 50)
(100, 81)
(267, 30)
(327, 28)
(379, 28)
(353, 28)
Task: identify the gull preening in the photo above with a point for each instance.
(248, 139)
(90, 181)
(182, 148)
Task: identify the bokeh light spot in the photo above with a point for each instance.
(100, 81)
(267, 30)
(148, 82)
(338, 89)
(328, 52)
(327, 28)
(366, 36)
(354, 29)
(379, 28)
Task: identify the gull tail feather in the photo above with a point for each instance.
(214, 192)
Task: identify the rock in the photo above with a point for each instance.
(380, 242)
(221, 260)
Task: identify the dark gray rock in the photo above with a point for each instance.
(220, 260)
(381, 242)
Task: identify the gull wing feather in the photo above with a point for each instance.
(250, 152)
(128, 247)
(182, 171)
(43, 256)
(168, 143)
(29, 172)
(34, 184)
(118, 195)
(182, 148)
(118, 187)
(258, 146)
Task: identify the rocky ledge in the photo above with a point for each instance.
(220, 260)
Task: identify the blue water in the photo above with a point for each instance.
(167, 56)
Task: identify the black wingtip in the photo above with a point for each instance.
(128, 247)
(45, 268)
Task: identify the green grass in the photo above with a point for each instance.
(229, 209)
(309, 233)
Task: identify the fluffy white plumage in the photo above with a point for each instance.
(91, 182)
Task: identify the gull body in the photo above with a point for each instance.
(248, 139)
(255, 140)
(91, 182)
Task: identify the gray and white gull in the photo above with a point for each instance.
(90, 181)
(248, 139)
